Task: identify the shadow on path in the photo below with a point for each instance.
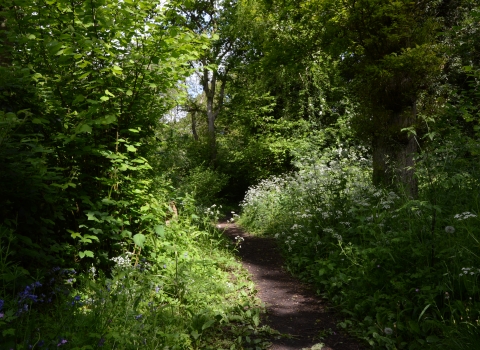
(292, 307)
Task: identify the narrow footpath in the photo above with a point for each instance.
(293, 309)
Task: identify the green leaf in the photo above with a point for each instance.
(39, 121)
(84, 128)
(129, 93)
(160, 230)
(10, 331)
(86, 253)
(78, 99)
(109, 93)
(432, 339)
(195, 335)
(75, 234)
(208, 324)
(421, 314)
(104, 98)
(139, 239)
(130, 148)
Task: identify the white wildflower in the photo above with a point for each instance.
(464, 216)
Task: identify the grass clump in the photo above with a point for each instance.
(403, 271)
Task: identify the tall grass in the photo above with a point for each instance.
(403, 272)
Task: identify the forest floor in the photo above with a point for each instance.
(305, 320)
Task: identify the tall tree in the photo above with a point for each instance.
(210, 18)
(389, 56)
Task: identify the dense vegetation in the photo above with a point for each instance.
(352, 127)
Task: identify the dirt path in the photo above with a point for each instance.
(292, 308)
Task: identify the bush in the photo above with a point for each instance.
(403, 271)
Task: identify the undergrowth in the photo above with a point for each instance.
(404, 272)
(183, 290)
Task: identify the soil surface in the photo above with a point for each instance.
(293, 308)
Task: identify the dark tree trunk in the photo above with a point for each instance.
(194, 125)
(5, 58)
(393, 154)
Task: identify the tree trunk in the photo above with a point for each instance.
(209, 87)
(194, 125)
(5, 59)
(393, 154)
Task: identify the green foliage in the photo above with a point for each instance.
(81, 99)
(175, 293)
(205, 184)
(404, 272)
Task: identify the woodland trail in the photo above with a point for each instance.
(292, 307)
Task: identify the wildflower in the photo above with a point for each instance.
(276, 235)
(388, 331)
(447, 296)
(1, 304)
(77, 298)
(164, 266)
(417, 290)
(138, 317)
(2, 314)
(449, 229)
(464, 216)
(337, 236)
(62, 342)
(101, 342)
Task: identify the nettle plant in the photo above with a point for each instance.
(404, 271)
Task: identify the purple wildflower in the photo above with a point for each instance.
(101, 342)
(1, 304)
(62, 342)
(28, 293)
(138, 317)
